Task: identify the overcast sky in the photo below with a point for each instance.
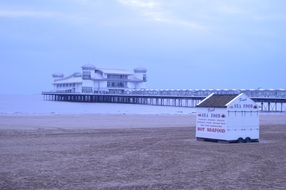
(183, 43)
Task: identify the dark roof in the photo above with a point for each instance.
(217, 100)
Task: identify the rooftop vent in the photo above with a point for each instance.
(58, 75)
(140, 70)
(88, 67)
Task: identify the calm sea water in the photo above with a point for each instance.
(35, 105)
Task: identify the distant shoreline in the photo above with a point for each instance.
(113, 121)
(178, 113)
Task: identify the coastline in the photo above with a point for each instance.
(96, 121)
(113, 121)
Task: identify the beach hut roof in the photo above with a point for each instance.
(217, 100)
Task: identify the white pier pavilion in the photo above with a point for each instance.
(99, 80)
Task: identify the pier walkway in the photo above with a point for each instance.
(268, 100)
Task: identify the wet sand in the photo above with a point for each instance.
(134, 152)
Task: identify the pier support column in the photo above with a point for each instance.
(276, 106)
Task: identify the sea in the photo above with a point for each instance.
(36, 105)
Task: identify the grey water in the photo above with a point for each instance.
(35, 105)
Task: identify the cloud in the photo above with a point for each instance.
(231, 9)
(148, 8)
(149, 4)
(155, 11)
(251, 10)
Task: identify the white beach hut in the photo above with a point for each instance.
(227, 117)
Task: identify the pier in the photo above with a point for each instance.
(267, 100)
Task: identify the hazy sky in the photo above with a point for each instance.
(182, 43)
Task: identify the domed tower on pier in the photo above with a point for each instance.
(140, 73)
(57, 76)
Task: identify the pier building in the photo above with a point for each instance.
(94, 84)
(98, 80)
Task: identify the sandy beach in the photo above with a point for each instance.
(135, 152)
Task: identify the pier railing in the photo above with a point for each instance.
(274, 93)
(271, 100)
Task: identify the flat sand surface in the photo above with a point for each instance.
(135, 152)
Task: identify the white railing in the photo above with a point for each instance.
(259, 93)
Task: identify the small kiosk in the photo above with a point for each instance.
(227, 117)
